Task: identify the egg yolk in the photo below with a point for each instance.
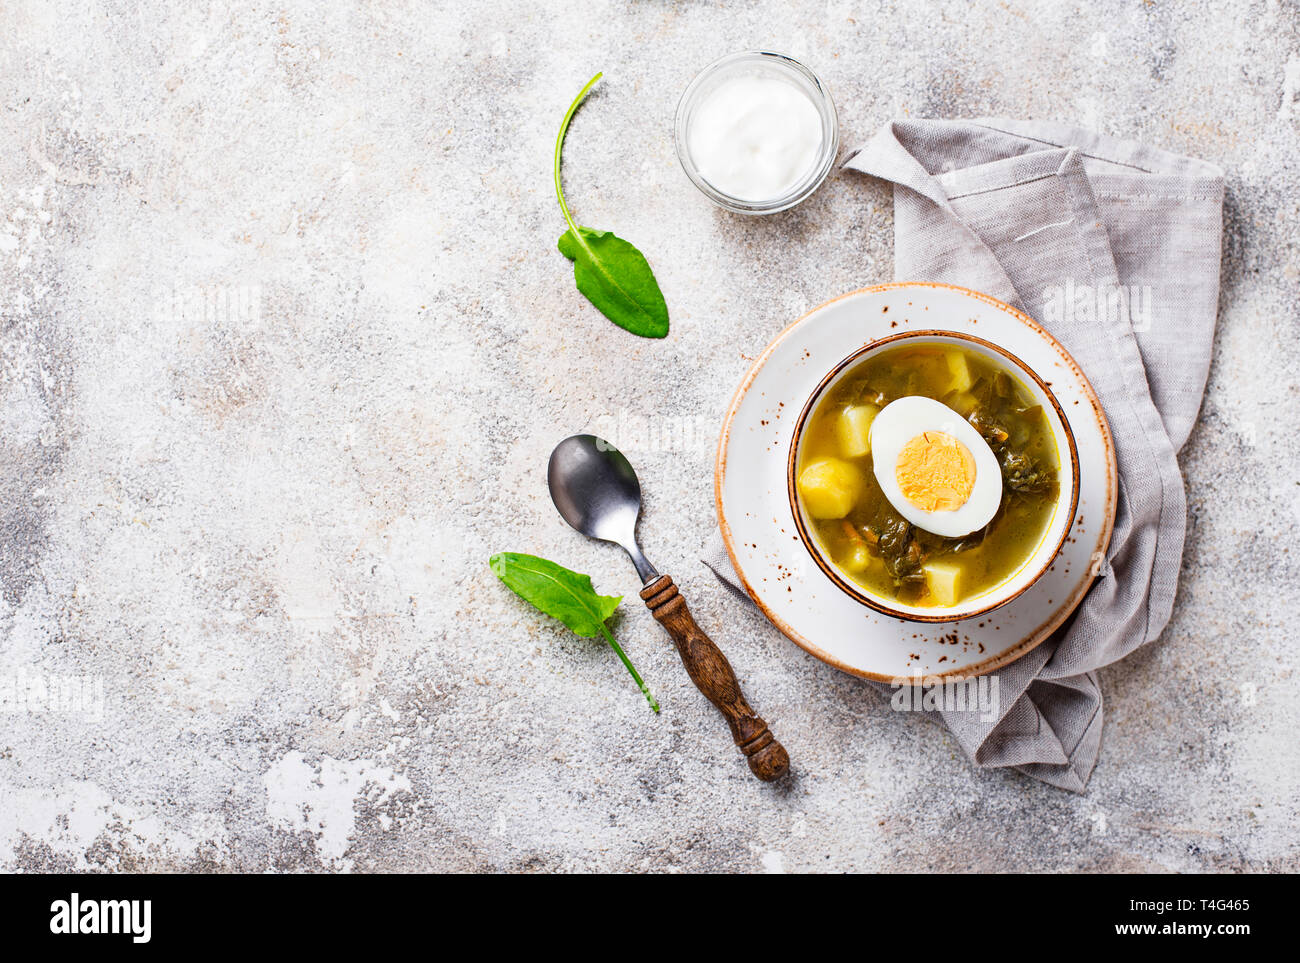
(935, 472)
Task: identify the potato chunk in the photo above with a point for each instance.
(944, 580)
(853, 430)
(856, 558)
(854, 554)
(860, 562)
(962, 402)
(958, 370)
(829, 487)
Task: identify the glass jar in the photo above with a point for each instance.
(760, 63)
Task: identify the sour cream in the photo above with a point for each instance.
(754, 136)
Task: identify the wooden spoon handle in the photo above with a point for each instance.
(713, 675)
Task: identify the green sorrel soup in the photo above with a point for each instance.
(929, 473)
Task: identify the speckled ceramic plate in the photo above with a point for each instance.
(759, 528)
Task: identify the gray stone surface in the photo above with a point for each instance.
(263, 525)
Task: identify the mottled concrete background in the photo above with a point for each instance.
(285, 345)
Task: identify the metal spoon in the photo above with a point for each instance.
(597, 492)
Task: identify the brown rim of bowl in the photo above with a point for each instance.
(1036, 635)
(854, 591)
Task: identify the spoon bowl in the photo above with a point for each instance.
(596, 491)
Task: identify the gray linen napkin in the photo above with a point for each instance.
(1114, 247)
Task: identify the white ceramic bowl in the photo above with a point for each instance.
(1057, 528)
(758, 527)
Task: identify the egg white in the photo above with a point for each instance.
(902, 420)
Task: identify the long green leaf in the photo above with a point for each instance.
(617, 279)
(560, 592)
(568, 596)
(611, 272)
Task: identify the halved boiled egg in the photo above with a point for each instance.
(934, 467)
